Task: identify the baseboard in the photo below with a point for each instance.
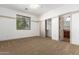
(18, 38)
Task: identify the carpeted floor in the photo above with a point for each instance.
(37, 46)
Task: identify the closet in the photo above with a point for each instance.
(48, 28)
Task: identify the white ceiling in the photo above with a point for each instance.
(44, 8)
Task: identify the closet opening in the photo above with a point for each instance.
(48, 28)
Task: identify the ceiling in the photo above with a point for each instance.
(43, 9)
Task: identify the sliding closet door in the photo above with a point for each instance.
(55, 28)
(61, 27)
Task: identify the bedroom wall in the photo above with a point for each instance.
(55, 28)
(8, 25)
(75, 28)
(59, 11)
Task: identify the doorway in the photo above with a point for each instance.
(48, 28)
(64, 27)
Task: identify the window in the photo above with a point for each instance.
(23, 22)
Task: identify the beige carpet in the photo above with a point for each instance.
(37, 46)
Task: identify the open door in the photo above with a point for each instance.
(64, 27)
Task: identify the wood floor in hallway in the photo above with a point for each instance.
(66, 40)
(37, 46)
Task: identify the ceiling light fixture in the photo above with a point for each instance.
(34, 6)
(26, 8)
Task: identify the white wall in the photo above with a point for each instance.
(75, 28)
(55, 28)
(42, 33)
(8, 25)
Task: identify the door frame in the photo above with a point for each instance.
(46, 26)
(70, 27)
(60, 28)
